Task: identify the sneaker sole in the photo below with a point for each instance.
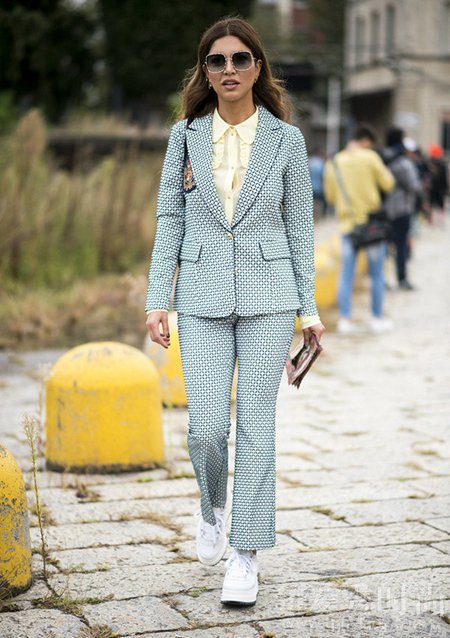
(241, 599)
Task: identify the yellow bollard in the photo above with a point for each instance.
(327, 270)
(168, 364)
(15, 546)
(103, 406)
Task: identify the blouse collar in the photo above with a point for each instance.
(246, 129)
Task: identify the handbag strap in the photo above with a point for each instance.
(341, 185)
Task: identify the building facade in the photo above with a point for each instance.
(397, 67)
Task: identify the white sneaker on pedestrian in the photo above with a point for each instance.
(347, 327)
(212, 539)
(378, 325)
(240, 585)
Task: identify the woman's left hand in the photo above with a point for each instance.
(318, 329)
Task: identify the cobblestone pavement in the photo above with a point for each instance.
(363, 501)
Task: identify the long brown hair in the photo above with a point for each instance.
(197, 99)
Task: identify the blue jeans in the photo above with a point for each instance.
(375, 257)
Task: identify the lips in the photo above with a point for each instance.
(230, 83)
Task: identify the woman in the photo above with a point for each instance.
(235, 211)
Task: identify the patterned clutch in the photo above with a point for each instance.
(301, 359)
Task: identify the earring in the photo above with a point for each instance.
(208, 83)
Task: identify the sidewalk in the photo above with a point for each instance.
(363, 500)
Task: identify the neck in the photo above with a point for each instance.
(236, 112)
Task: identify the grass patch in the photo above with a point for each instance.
(326, 511)
(98, 631)
(85, 493)
(67, 603)
(195, 592)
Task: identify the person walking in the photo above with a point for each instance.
(438, 182)
(316, 169)
(353, 181)
(400, 204)
(235, 211)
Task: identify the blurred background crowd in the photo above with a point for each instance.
(88, 90)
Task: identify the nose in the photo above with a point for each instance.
(228, 66)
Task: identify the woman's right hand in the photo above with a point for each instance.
(155, 320)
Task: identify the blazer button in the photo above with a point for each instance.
(229, 235)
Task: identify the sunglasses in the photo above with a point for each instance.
(241, 61)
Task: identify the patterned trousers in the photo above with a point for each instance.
(209, 350)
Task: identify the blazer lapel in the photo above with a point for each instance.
(265, 148)
(199, 147)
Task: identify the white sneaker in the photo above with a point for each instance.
(347, 327)
(212, 539)
(378, 325)
(240, 585)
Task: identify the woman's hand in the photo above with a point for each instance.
(155, 319)
(318, 329)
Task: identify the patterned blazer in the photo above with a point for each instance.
(263, 262)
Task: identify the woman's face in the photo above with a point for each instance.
(229, 84)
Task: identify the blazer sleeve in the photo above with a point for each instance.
(169, 223)
(298, 215)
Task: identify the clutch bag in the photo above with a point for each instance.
(301, 359)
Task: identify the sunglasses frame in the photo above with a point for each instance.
(230, 57)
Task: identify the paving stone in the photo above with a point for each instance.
(151, 580)
(273, 601)
(151, 490)
(415, 584)
(234, 631)
(433, 485)
(366, 536)
(97, 534)
(39, 623)
(287, 462)
(113, 556)
(393, 510)
(357, 624)
(146, 613)
(112, 511)
(440, 522)
(298, 519)
(306, 497)
(344, 562)
(351, 475)
(443, 546)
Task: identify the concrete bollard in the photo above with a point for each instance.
(15, 545)
(103, 410)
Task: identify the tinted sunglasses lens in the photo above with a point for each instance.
(215, 62)
(242, 60)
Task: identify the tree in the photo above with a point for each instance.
(149, 44)
(46, 53)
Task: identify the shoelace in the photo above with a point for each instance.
(239, 563)
(212, 532)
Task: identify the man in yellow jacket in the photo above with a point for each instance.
(355, 192)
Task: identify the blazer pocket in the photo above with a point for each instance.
(274, 250)
(190, 251)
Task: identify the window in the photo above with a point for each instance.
(360, 35)
(390, 30)
(374, 35)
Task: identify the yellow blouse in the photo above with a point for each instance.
(232, 145)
